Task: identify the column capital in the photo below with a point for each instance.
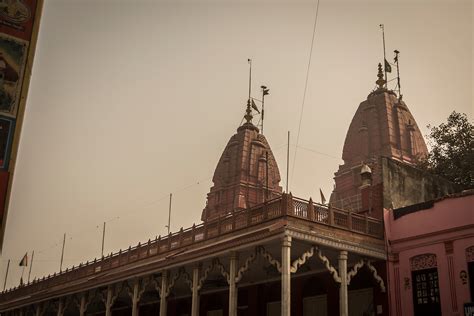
(342, 255)
(234, 255)
(286, 241)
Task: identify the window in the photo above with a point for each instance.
(425, 285)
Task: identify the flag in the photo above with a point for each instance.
(388, 68)
(266, 91)
(323, 199)
(24, 260)
(254, 106)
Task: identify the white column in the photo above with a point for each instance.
(232, 286)
(135, 297)
(343, 300)
(83, 307)
(164, 293)
(286, 276)
(60, 308)
(108, 303)
(195, 299)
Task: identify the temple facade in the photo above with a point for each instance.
(257, 252)
(261, 251)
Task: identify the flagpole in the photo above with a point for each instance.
(384, 58)
(169, 214)
(21, 278)
(287, 161)
(31, 265)
(62, 253)
(250, 76)
(103, 239)
(6, 276)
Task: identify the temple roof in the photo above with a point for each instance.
(246, 167)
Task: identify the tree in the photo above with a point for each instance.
(452, 150)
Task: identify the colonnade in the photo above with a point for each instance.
(233, 275)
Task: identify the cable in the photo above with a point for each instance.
(305, 88)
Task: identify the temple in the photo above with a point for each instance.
(261, 251)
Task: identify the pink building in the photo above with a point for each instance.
(431, 256)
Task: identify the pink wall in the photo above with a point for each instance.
(446, 230)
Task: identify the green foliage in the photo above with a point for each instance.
(452, 150)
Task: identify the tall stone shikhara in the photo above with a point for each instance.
(245, 168)
(381, 127)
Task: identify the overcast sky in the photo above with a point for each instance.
(132, 100)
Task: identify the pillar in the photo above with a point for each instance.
(286, 276)
(195, 299)
(135, 297)
(60, 308)
(83, 307)
(108, 303)
(343, 299)
(164, 293)
(232, 286)
(38, 310)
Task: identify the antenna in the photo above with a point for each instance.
(265, 91)
(398, 74)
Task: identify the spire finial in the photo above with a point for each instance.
(248, 113)
(380, 81)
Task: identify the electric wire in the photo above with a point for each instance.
(305, 88)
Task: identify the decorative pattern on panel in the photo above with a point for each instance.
(470, 254)
(425, 261)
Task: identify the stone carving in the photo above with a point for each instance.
(354, 270)
(264, 253)
(372, 269)
(329, 267)
(470, 254)
(302, 260)
(215, 264)
(246, 266)
(425, 261)
(376, 276)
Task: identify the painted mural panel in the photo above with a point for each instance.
(18, 29)
(13, 54)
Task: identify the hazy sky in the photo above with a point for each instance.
(132, 100)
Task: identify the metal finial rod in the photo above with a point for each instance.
(384, 58)
(396, 59)
(265, 91)
(250, 76)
